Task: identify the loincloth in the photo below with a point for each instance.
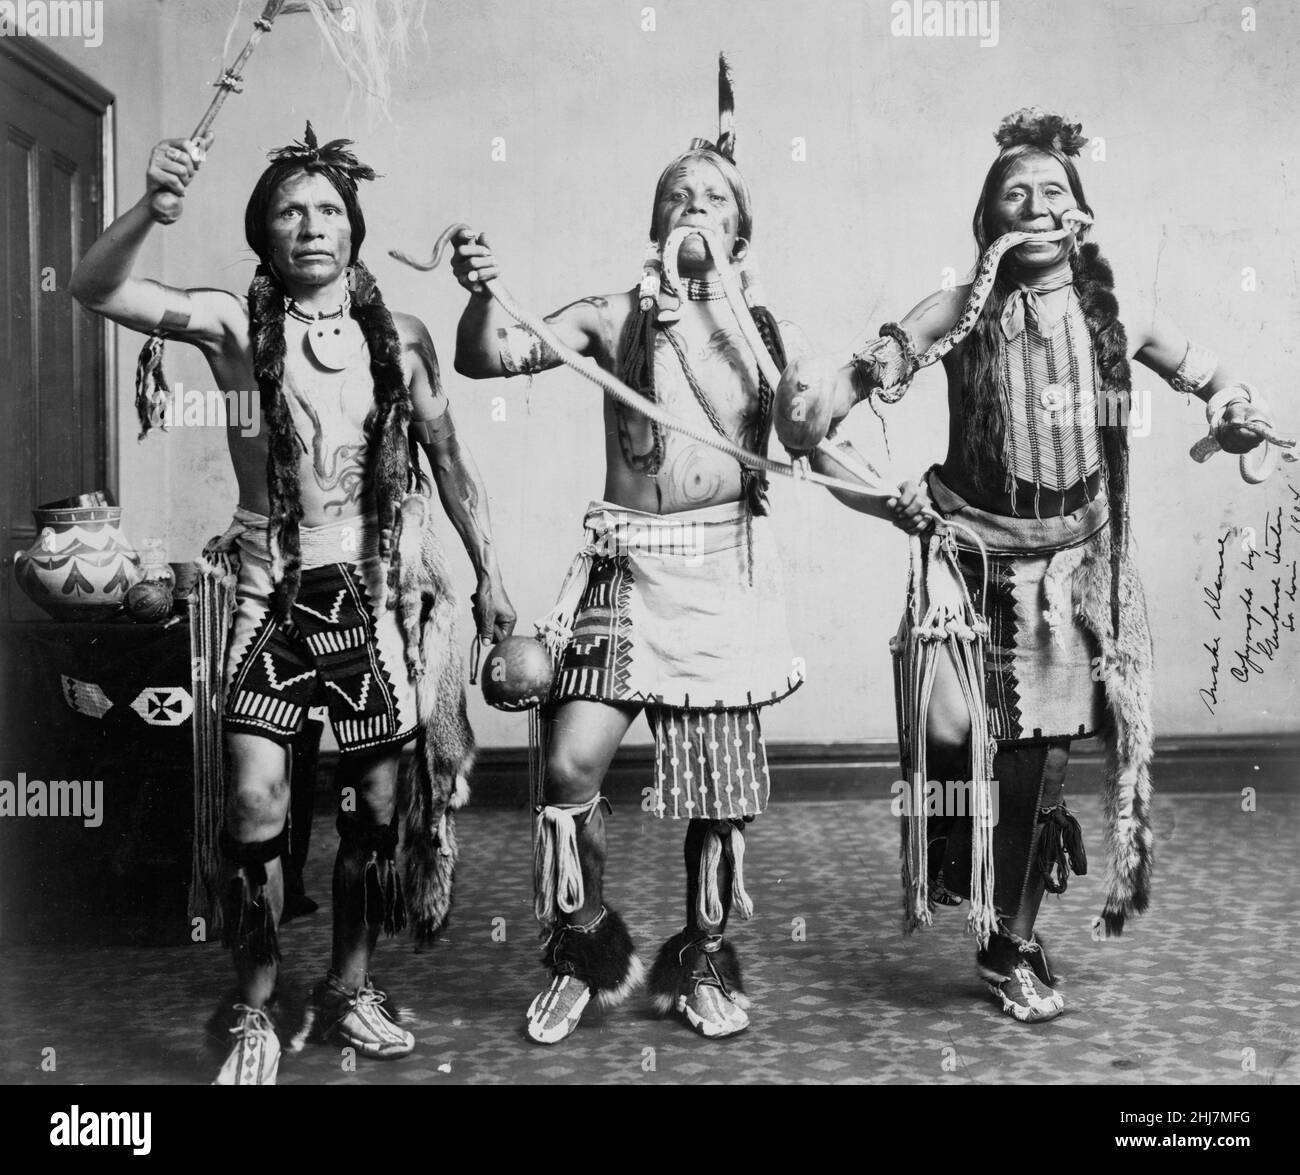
(683, 614)
(342, 648)
(1041, 678)
(1054, 619)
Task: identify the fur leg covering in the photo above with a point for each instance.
(249, 924)
(685, 954)
(438, 781)
(1126, 674)
(371, 889)
(601, 954)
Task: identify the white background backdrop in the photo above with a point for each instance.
(1198, 182)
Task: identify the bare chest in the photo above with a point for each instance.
(705, 370)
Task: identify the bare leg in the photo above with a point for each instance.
(589, 952)
(584, 738)
(257, 804)
(373, 780)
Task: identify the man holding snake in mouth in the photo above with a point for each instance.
(1037, 466)
(673, 605)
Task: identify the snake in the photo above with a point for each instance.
(1255, 466)
(867, 482)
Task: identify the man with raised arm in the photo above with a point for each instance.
(347, 389)
(674, 605)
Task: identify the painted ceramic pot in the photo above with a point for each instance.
(80, 567)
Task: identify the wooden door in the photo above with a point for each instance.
(54, 416)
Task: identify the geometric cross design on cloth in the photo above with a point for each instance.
(163, 705)
(85, 697)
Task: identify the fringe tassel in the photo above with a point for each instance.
(249, 924)
(557, 867)
(1060, 848)
(708, 905)
(960, 632)
(211, 607)
(381, 895)
(152, 391)
(556, 630)
(741, 902)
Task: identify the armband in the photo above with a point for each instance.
(431, 432)
(1219, 403)
(522, 352)
(885, 367)
(1195, 371)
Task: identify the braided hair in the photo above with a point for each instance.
(1028, 132)
(389, 463)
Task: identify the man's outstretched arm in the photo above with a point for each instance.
(489, 343)
(1161, 345)
(105, 281)
(460, 488)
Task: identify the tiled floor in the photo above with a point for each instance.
(1204, 989)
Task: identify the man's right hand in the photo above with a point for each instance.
(472, 262)
(172, 164)
(909, 508)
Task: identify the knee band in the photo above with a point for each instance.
(252, 856)
(357, 832)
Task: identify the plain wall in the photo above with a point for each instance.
(1197, 183)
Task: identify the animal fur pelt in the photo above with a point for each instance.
(438, 780)
(604, 957)
(679, 958)
(1126, 666)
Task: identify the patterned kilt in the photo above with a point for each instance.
(683, 614)
(342, 647)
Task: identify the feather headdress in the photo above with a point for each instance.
(1033, 126)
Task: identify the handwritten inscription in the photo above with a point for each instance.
(1251, 624)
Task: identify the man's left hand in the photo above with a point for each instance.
(1235, 433)
(494, 618)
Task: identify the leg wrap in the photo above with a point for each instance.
(372, 885)
(1060, 843)
(686, 954)
(1026, 777)
(557, 866)
(248, 923)
(709, 900)
(600, 953)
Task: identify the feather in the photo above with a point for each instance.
(726, 110)
(1034, 127)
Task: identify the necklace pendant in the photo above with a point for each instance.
(329, 345)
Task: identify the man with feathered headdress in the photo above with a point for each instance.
(347, 391)
(1037, 467)
(674, 604)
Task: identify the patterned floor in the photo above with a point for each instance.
(1203, 991)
